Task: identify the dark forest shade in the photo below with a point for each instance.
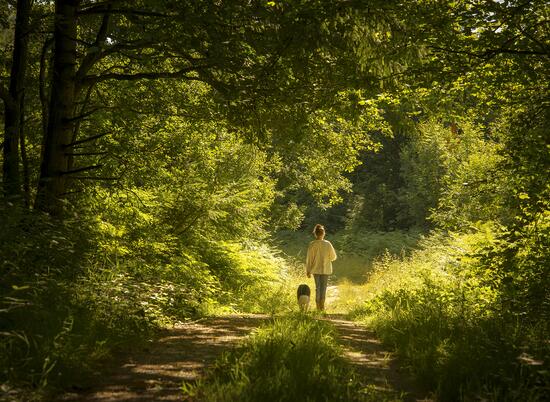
(13, 102)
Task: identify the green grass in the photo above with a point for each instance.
(442, 311)
(295, 358)
(356, 250)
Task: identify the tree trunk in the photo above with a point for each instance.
(57, 145)
(24, 158)
(14, 106)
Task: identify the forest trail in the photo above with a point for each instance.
(183, 353)
(375, 365)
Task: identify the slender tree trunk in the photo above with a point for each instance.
(14, 107)
(55, 161)
(24, 158)
(12, 180)
(43, 92)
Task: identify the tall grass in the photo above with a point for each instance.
(443, 310)
(356, 253)
(295, 358)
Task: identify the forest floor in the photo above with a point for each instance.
(184, 352)
(181, 353)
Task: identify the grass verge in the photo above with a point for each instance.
(445, 312)
(294, 358)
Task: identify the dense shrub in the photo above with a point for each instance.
(446, 312)
(73, 293)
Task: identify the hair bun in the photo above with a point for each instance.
(318, 229)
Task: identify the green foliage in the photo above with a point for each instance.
(50, 332)
(356, 250)
(451, 176)
(444, 309)
(66, 306)
(294, 358)
(276, 107)
(251, 278)
(521, 255)
(317, 160)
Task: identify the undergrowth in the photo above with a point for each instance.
(73, 294)
(456, 319)
(295, 358)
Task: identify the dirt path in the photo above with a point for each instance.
(182, 353)
(375, 365)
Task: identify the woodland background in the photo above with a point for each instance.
(162, 160)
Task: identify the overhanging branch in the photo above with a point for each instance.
(84, 115)
(82, 169)
(488, 54)
(93, 56)
(102, 9)
(146, 75)
(86, 153)
(94, 178)
(84, 140)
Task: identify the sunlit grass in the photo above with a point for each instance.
(295, 358)
(349, 286)
(348, 296)
(443, 316)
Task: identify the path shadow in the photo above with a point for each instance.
(376, 367)
(181, 354)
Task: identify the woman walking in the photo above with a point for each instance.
(320, 255)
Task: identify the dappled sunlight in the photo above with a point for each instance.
(180, 354)
(170, 161)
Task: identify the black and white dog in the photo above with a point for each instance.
(303, 297)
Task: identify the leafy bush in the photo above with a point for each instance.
(72, 293)
(444, 310)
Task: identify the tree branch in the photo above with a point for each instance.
(86, 153)
(93, 56)
(117, 47)
(146, 75)
(84, 115)
(82, 169)
(101, 9)
(84, 140)
(535, 40)
(94, 178)
(491, 53)
(488, 54)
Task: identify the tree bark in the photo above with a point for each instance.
(25, 159)
(55, 162)
(14, 104)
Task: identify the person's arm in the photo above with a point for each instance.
(332, 253)
(309, 261)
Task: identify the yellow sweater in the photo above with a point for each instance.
(320, 255)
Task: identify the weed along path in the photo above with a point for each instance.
(184, 352)
(181, 353)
